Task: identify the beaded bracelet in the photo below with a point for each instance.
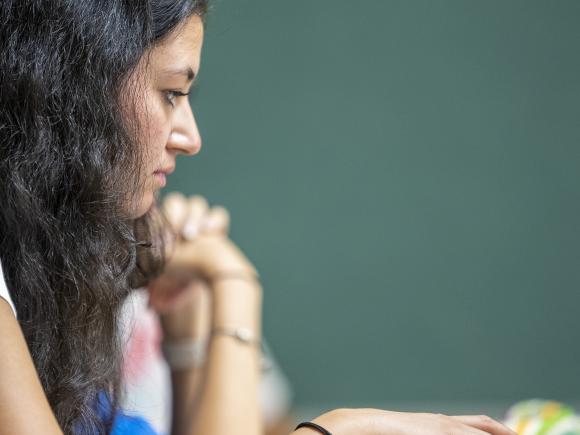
(313, 426)
(243, 335)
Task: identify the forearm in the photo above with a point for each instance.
(229, 402)
(186, 386)
(191, 326)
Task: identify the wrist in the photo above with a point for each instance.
(244, 274)
(237, 302)
(243, 335)
(369, 421)
(185, 332)
(184, 354)
(189, 318)
(313, 427)
(340, 421)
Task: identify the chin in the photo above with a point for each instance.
(143, 206)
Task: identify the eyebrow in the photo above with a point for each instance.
(181, 72)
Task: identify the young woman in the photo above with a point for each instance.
(93, 113)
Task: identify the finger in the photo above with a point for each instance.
(197, 208)
(484, 423)
(194, 257)
(469, 430)
(175, 210)
(217, 221)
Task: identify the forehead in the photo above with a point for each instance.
(181, 48)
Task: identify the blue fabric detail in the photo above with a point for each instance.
(123, 424)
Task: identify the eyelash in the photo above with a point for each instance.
(171, 95)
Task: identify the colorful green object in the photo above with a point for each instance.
(543, 417)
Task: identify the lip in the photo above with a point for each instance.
(168, 170)
(160, 177)
(161, 174)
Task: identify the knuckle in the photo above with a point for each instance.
(172, 200)
(220, 210)
(198, 200)
(174, 196)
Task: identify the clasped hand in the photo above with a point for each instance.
(198, 250)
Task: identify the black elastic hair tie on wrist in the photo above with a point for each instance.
(313, 426)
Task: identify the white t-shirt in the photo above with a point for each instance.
(4, 294)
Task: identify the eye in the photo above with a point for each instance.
(170, 96)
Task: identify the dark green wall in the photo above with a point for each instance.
(406, 176)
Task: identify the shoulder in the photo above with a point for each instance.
(20, 387)
(4, 292)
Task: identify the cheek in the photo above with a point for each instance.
(157, 129)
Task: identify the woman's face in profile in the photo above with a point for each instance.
(167, 124)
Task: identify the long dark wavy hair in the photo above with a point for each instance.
(68, 165)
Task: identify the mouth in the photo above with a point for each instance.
(167, 170)
(161, 175)
(160, 178)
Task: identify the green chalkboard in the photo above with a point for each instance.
(406, 176)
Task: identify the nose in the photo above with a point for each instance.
(184, 137)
